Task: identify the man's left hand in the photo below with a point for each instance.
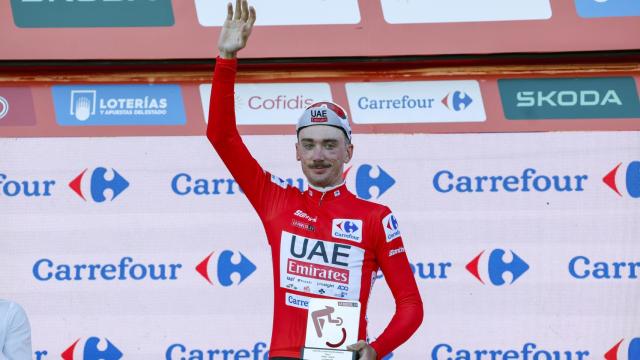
(365, 350)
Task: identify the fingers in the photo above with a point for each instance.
(244, 16)
(236, 15)
(229, 11)
(357, 346)
(252, 16)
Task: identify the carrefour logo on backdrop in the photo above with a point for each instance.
(582, 267)
(186, 184)
(223, 267)
(411, 102)
(12, 187)
(496, 267)
(125, 269)
(624, 350)
(527, 351)
(365, 181)
(179, 351)
(93, 349)
(457, 100)
(98, 183)
(529, 180)
(629, 179)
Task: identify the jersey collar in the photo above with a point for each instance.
(328, 193)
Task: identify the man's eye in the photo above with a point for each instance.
(330, 146)
(308, 146)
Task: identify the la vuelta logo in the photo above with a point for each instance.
(91, 350)
(630, 180)
(624, 350)
(319, 321)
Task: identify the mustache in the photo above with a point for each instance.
(319, 165)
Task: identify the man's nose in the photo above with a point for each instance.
(317, 153)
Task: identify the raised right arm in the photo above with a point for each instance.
(263, 190)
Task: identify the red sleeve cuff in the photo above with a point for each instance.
(375, 347)
(226, 69)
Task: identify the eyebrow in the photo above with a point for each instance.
(323, 140)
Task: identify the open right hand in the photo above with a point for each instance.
(236, 29)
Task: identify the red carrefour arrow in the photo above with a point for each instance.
(610, 179)
(612, 354)
(202, 268)
(472, 267)
(68, 354)
(76, 183)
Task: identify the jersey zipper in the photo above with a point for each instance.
(321, 197)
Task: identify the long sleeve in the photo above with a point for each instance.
(396, 269)
(264, 191)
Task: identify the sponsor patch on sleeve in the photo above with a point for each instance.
(278, 181)
(390, 226)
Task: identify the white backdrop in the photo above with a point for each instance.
(183, 316)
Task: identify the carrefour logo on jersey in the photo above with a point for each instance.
(527, 351)
(347, 229)
(416, 102)
(629, 179)
(223, 266)
(93, 348)
(495, 267)
(270, 104)
(390, 226)
(624, 350)
(97, 183)
(584, 267)
(365, 182)
(185, 184)
(124, 269)
(528, 180)
(118, 105)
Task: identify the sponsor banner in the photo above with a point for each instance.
(415, 102)
(118, 105)
(286, 12)
(607, 8)
(493, 244)
(270, 104)
(435, 11)
(92, 13)
(320, 267)
(16, 106)
(569, 98)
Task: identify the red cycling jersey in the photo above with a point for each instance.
(323, 244)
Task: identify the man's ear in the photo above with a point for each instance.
(298, 152)
(349, 153)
